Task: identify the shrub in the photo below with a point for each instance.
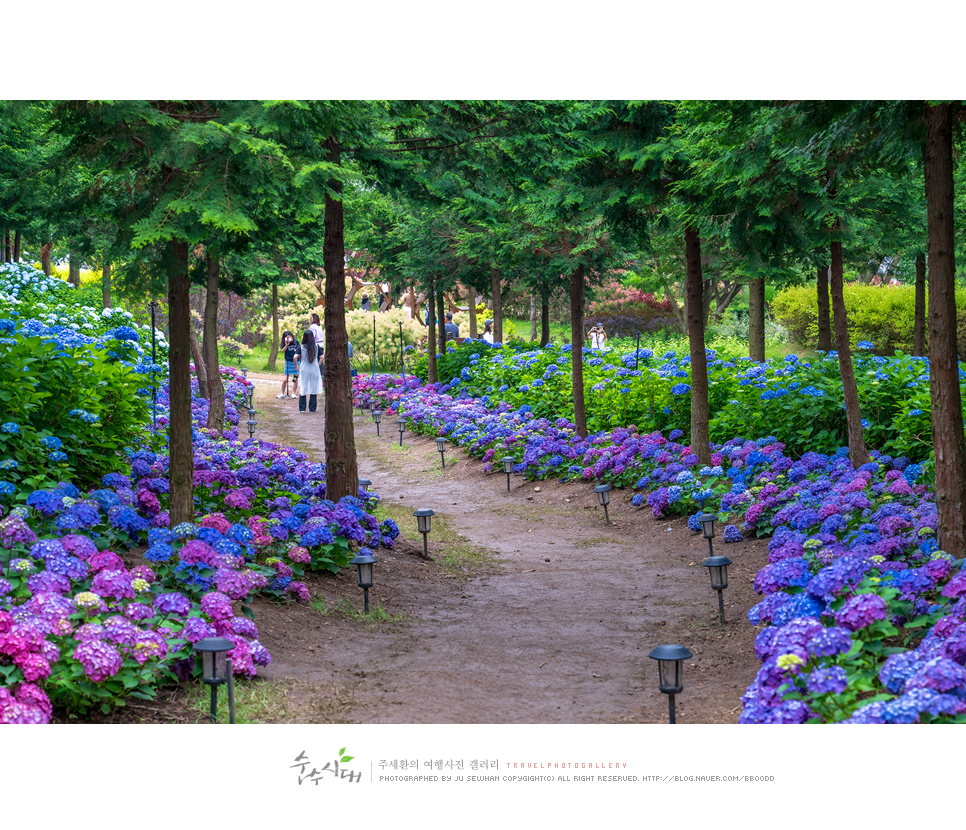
(626, 312)
(884, 316)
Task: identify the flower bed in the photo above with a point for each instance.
(864, 617)
(649, 388)
(82, 627)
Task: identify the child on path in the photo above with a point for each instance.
(291, 354)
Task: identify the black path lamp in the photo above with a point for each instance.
(670, 671)
(718, 568)
(603, 496)
(215, 670)
(508, 463)
(707, 527)
(364, 562)
(364, 484)
(250, 394)
(377, 417)
(401, 423)
(441, 446)
(424, 519)
(244, 371)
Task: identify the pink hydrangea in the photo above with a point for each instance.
(197, 552)
(106, 560)
(217, 606)
(34, 667)
(299, 591)
(100, 660)
(216, 521)
(300, 555)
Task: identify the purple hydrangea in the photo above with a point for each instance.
(861, 611)
(828, 680)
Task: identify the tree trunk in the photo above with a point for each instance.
(106, 285)
(853, 412)
(700, 420)
(577, 353)
(756, 319)
(474, 328)
(180, 447)
(6, 246)
(709, 294)
(16, 246)
(824, 318)
(433, 375)
(216, 409)
(544, 315)
(678, 314)
(200, 371)
(533, 317)
(73, 269)
(341, 470)
(440, 311)
(45, 250)
(273, 354)
(947, 406)
(919, 329)
(497, 305)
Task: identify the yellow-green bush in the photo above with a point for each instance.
(883, 315)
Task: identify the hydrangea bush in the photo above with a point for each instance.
(862, 615)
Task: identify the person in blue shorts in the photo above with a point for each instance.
(291, 352)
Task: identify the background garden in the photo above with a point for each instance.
(761, 270)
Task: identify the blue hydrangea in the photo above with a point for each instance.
(10, 428)
(732, 534)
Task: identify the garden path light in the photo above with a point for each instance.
(603, 496)
(424, 518)
(364, 562)
(670, 671)
(215, 670)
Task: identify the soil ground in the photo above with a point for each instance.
(531, 608)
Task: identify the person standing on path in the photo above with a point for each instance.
(310, 375)
(317, 332)
(291, 354)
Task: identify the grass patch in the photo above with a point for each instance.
(346, 607)
(283, 701)
(459, 555)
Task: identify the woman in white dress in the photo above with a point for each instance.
(310, 375)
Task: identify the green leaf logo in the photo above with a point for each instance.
(343, 758)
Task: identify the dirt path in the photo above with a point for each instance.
(554, 625)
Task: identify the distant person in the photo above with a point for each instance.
(291, 354)
(452, 330)
(876, 280)
(488, 331)
(365, 304)
(597, 337)
(318, 333)
(893, 282)
(310, 374)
